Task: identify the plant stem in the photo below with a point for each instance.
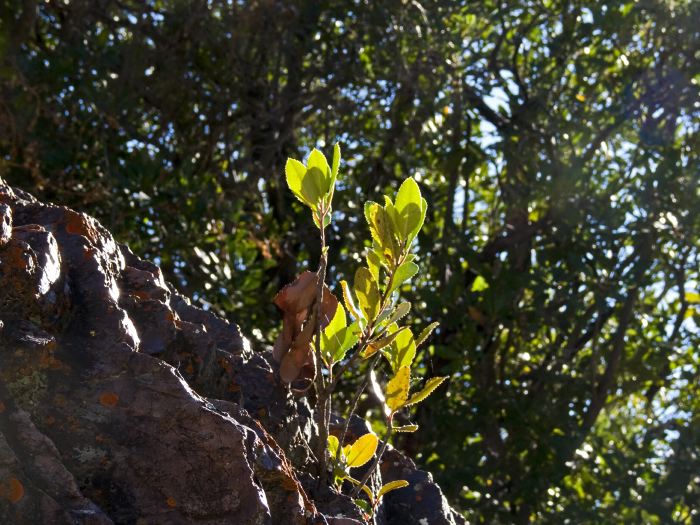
(353, 404)
(322, 395)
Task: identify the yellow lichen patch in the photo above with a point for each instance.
(109, 399)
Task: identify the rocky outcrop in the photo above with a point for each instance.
(122, 403)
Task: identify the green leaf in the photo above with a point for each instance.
(347, 298)
(405, 428)
(362, 450)
(403, 350)
(294, 172)
(348, 338)
(392, 485)
(367, 293)
(400, 311)
(423, 211)
(430, 385)
(380, 343)
(397, 389)
(364, 505)
(333, 445)
(335, 164)
(480, 284)
(318, 160)
(312, 187)
(426, 333)
(374, 264)
(333, 334)
(403, 273)
(381, 229)
(409, 209)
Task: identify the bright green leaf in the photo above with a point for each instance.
(294, 172)
(408, 209)
(430, 385)
(479, 284)
(403, 273)
(312, 187)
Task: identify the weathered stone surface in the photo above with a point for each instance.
(120, 402)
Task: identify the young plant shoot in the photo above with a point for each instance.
(321, 340)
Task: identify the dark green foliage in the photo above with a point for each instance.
(556, 142)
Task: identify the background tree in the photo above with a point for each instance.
(557, 144)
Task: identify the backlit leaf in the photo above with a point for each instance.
(362, 450)
(392, 485)
(367, 293)
(397, 389)
(430, 385)
(426, 333)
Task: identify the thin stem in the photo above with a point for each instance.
(353, 404)
(322, 395)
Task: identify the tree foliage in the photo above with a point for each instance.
(557, 145)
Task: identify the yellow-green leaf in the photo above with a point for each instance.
(318, 160)
(397, 389)
(426, 333)
(362, 450)
(403, 273)
(479, 284)
(294, 172)
(333, 335)
(333, 445)
(405, 428)
(400, 311)
(430, 385)
(403, 350)
(367, 293)
(373, 264)
(347, 298)
(335, 164)
(312, 187)
(392, 485)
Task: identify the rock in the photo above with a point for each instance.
(120, 402)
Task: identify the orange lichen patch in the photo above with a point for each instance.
(233, 387)
(50, 420)
(13, 490)
(79, 224)
(109, 399)
(99, 438)
(189, 369)
(419, 497)
(170, 316)
(170, 502)
(2, 407)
